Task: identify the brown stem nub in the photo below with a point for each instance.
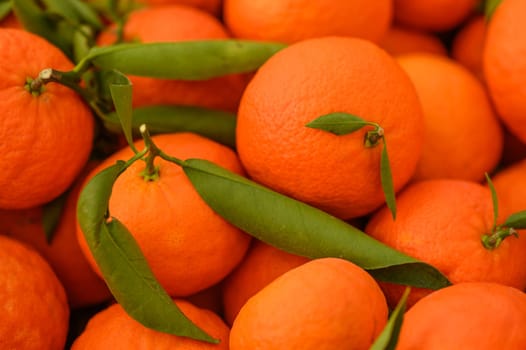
(150, 172)
(493, 240)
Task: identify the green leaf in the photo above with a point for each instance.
(5, 9)
(121, 94)
(302, 229)
(122, 263)
(386, 179)
(490, 7)
(516, 220)
(494, 200)
(37, 21)
(189, 60)
(338, 123)
(388, 339)
(51, 213)
(214, 124)
(81, 43)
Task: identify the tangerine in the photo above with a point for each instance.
(291, 21)
(46, 131)
(34, 308)
(338, 174)
(187, 245)
(324, 304)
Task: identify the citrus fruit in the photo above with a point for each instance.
(262, 264)
(503, 65)
(176, 23)
(510, 185)
(187, 245)
(326, 303)
(112, 328)
(483, 316)
(34, 307)
(468, 45)
(463, 137)
(443, 222)
(82, 285)
(401, 40)
(434, 15)
(338, 174)
(290, 21)
(46, 133)
(212, 6)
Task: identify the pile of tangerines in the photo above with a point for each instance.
(403, 119)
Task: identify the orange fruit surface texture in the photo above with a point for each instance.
(112, 328)
(289, 21)
(463, 137)
(401, 40)
(319, 76)
(442, 222)
(324, 304)
(482, 316)
(82, 285)
(46, 137)
(433, 15)
(149, 25)
(188, 246)
(504, 65)
(468, 44)
(34, 308)
(262, 264)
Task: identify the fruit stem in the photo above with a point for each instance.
(151, 172)
(492, 241)
(373, 137)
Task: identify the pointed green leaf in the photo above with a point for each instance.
(123, 265)
(189, 60)
(386, 179)
(37, 21)
(516, 220)
(51, 213)
(121, 94)
(5, 9)
(214, 124)
(302, 229)
(494, 200)
(338, 123)
(388, 339)
(490, 7)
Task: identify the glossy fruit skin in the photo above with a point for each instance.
(503, 65)
(188, 246)
(442, 222)
(326, 303)
(112, 328)
(148, 25)
(455, 104)
(432, 15)
(46, 137)
(261, 265)
(290, 21)
(335, 173)
(35, 311)
(473, 315)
